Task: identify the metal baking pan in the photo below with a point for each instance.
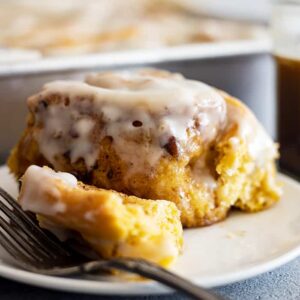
(242, 68)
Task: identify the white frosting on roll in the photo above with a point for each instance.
(124, 89)
(38, 187)
(146, 114)
(140, 110)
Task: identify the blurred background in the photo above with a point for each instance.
(223, 43)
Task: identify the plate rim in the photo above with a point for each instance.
(134, 288)
(146, 288)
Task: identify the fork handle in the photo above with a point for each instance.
(152, 271)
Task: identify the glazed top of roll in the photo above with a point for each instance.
(147, 114)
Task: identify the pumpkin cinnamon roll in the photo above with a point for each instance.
(154, 135)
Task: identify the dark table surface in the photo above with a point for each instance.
(282, 283)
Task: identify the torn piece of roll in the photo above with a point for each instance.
(154, 135)
(114, 224)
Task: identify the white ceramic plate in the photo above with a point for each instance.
(242, 246)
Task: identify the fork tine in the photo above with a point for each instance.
(31, 228)
(21, 240)
(18, 224)
(11, 248)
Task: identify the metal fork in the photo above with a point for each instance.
(38, 251)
